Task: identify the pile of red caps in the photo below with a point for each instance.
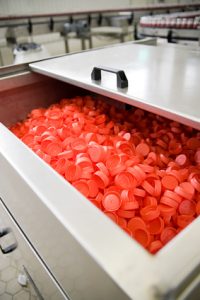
(141, 170)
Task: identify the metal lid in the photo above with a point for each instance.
(165, 81)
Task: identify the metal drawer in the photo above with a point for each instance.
(14, 244)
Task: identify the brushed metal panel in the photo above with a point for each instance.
(161, 80)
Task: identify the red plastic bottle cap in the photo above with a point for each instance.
(142, 236)
(126, 148)
(111, 201)
(131, 162)
(148, 188)
(168, 201)
(197, 157)
(125, 180)
(82, 187)
(155, 246)
(100, 119)
(79, 145)
(156, 226)
(173, 195)
(90, 136)
(114, 188)
(83, 155)
(139, 192)
(96, 203)
(198, 208)
(150, 201)
(187, 207)
(140, 171)
(53, 149)
(67, 143)
(184, 220)
(195, 183)
(85, 174)
(52, 130)
(99, 197)
(136, 223)
(193, 143)
(168, 220)
(53, 114)
(96, 153)
(37, 112)
(76, 128)
(142, 149)
(28, 139)
(93, 188)
(66, 154)
(174, 147)
(122, 222)
(72, 173)
(61, 165)
(120, 168)
(166, 211)
(164, 159)
(181, 192)
(167, 234)
(112, 216)
(39, 153)
(125, 196)
(46, 141)
(157, 188)
(127, 136)
(136, 174)
(130, 205)
(101, 179)
(183, 174)
(181, 160)
(149, 213)
(101, 166)
(47, 158)
(128, 196)
(147, 168)
(38, 130)
(113, 161)
(152, 158)
(161, 143)
(187, 187)
(169, 182)
(127, 231)
(127, 214)
(84, 162)
(63, 133)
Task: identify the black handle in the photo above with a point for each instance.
(51, 24)
(4, 231)
(8, 247)
(122, 81)
(30, 27)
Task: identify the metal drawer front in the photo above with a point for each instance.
(28, 262)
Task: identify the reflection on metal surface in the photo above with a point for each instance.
(160, 87)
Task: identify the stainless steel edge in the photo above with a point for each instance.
(88, 254)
